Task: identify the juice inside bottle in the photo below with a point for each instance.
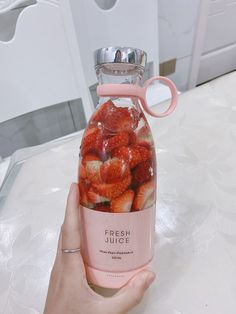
(117, 161)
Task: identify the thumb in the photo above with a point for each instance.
(132, 293)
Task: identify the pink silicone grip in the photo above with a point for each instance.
(128, 90)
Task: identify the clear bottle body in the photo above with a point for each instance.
(117, 181)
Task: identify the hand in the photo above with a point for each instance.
(69, 292)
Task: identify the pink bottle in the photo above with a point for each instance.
(117, 171)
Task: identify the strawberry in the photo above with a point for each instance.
(122, 153)
(135, 114)
(118, 119)
(144, 152)
(84, 200)
(150, 200)
(93, 171)
(114, 170)
(144, 192)
(121, 139)
(89, 157)
(132, 137)
(96, 198)
(135, 157)
(122, 203)
(82, 171)
(112, 190)
(92, 140)
(142, 172)
(144, 137)
(102, 208)
(133, 154)
(83, 162)
(100, 114)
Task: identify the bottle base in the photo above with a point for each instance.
(112, 280)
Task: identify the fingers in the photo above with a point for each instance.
(71, 263)
(71, 228)
(70, 234)
(57, 259)
(132, 293)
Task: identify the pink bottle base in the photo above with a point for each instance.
(112, 280)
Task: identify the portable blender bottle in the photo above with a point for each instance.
(117, 171)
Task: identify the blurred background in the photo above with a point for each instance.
(47, 78)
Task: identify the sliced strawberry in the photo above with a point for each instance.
(133, 154)
(102, 208)
(144, 137)
(123, 153)
(142, 172)
(93, 171)
(145, 191)
(114, 170)
(112, 190)
(132, 137)
(83, 162)
(150, 201)
(95, 197)
(121, 139)
(144, 152)
(89, 157)
(122, 203)
(89, 139)
(92, 140)
(84, 199)
(135, 114)
(82, 171)
(119, 119)
(99, 146)
(100, 114)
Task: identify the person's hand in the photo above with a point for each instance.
(69, 292)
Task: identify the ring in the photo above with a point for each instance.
(70, 250)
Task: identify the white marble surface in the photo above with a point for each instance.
(196, 211)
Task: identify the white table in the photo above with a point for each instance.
(196, 218)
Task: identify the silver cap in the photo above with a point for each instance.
(120, 55)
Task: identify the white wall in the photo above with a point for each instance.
(219, 45)
(119, 26)
(177, 26)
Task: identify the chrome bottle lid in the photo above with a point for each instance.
(120, 55)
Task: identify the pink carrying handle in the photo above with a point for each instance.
(129, 90)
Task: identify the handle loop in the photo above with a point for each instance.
(126, 90)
